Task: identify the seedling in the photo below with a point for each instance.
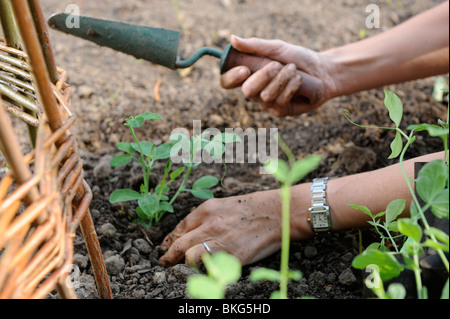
(222, 268)
(288, 174)
(432, 185)
(152, 206)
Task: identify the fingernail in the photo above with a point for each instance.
(276, 67)
(292, 67)
(236, 37)
(243, 73)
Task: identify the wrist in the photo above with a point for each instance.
(301, 201)
(332, 74)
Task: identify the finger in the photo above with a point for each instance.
(260, 79)
(188, 224)
(194, 255)
(284, 100)
(275, 88)
(257, 46)
(180, 246)
(234, 77)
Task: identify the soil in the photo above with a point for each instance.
(110, 86)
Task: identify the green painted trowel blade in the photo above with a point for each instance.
(159, 46)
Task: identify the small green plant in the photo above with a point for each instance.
(432, 185)
(152, 206)
(222, 269)
(288, 174)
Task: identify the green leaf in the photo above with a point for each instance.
(395, 107)
(166, 206)
(445, 290)
(388, 266)
(180, 142)
(120, 160)
(223, 267)
(177, 173)
(374, 246)
(205, 182)
(143, 218)
(303, 167)
(150, 116)
(275, 295)
(396, 291)
(433, 130)
(273, 275)
(135, 122)
(147, 147)
(440, 204)
(149, 204)
(364, 209)
(124, 195)
(410, 228)
(396, 146)
(431, 180)
(202, 193)
(265, 274)
(163, 151)
(439, 89)
(394, 209)
(165, 190)
(126, 147)
(439, 234)
(278, 168)
(436, 245)
(203, 287)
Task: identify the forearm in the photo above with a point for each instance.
(374, 190)
(416, 49)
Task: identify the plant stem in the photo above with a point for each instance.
(285, 238)
(145, 172)
(417, 275)
(183, 183)
(392, 239)
(419, 208)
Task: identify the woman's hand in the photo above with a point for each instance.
(275, 85)
(248, 227)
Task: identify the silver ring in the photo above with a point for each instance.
(207, 248)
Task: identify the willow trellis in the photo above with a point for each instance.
(44, 198)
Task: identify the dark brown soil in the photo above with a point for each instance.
(110, 86)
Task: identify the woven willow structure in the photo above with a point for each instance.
(44, 198)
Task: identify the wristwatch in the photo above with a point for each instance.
(320, 218)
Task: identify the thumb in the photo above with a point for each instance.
(268, 48)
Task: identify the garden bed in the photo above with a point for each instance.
(109, 87)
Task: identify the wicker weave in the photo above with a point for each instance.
(44, 198)
(35, 237)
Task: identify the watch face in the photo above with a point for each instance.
(319, 220)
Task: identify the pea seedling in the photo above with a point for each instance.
(288, 175)
(222, 268)
(153, 206)
(432, 185)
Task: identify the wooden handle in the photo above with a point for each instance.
(310, 92)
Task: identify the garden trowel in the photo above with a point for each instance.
(160, 46)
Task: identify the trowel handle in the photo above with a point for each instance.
(310, 92)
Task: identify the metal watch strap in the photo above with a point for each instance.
(319, 204)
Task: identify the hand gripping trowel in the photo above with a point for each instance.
(160, 46)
